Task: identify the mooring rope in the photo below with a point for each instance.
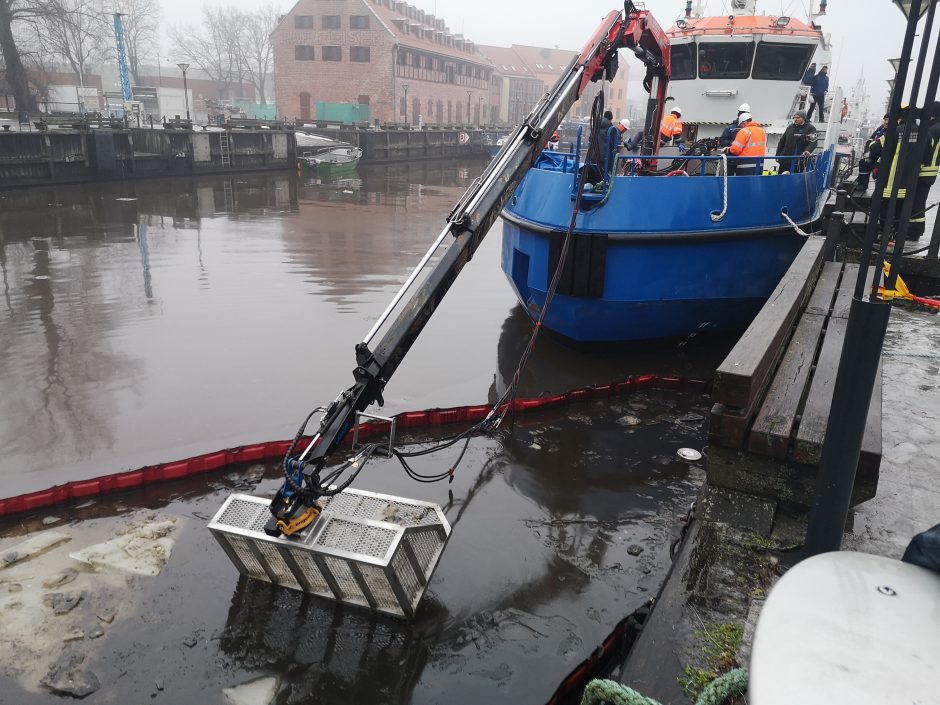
(724, 206)
(796, 227)
(732, 683)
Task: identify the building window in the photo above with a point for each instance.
(332, 53)
(359, 54)
(303, 21)
(331, 22)
(303, 52)
(359, 22)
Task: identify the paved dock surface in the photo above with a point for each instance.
(908, 499)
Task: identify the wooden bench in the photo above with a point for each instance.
(774, 390)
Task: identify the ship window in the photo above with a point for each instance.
(725, 59)
(781, 62)
(683, 61)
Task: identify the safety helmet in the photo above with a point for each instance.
(626, 123)
(744, 108)
(677, 110)
(743, 118)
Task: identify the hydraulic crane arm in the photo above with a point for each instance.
(295, 504)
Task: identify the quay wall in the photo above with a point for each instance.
(75, 155)
(391, 144)
(69, 155)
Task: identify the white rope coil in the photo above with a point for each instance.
(724, 207)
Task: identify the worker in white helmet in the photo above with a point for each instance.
(728, 134)
(670, 130)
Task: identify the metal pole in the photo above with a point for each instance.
(891, 142)
(864, 338)
(186, 95)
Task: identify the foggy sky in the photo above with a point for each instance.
(865, 33)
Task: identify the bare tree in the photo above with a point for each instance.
(256, 47)
(12, 14)
(75, 30)
(141, 22)
(213, 46)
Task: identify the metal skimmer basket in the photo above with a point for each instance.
(366, 549)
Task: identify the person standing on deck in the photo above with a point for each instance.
(845, 110)
(671, 128)
(867, 164)
(730, 132)
(818, 93)
(597, 149)
(799, 140)
(749, 142)
(808, 77)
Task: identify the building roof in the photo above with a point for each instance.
(414, 28)
(543, 59)
(743, 24)
(506, 61)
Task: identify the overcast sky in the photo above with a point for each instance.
(865, 33)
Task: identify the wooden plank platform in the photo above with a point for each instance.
(744, 373)
(769, 421)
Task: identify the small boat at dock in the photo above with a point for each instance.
(329, 158)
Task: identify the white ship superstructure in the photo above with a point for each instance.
(720, 62)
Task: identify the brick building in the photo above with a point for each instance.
(547, 64)
(403, 62)
(516, 88)
(407, 66)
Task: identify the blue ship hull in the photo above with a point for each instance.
(649, 262)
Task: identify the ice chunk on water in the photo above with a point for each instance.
(143, 551)
(257, 692)
(33, 546)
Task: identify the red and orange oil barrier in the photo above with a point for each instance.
(209, 462)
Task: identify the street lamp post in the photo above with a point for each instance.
(481, 120)
(469, 119)
(405, 86)
(184, 68)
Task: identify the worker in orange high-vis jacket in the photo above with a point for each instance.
(749, 142)
(671, 128)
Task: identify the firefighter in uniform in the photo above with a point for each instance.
(671, 128)
(749, 142)
(927, 176)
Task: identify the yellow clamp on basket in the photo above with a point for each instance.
(299, 522)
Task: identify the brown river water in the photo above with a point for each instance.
(150, 321)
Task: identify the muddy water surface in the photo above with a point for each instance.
(145, 322)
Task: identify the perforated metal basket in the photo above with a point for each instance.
(372, 550)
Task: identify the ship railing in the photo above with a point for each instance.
(702, 165)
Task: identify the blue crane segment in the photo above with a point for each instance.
(122, 57)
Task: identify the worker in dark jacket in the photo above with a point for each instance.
(598, 147)
(809, 75)
(866, 164)
(727, 135)
(818, 93)
(799, 140)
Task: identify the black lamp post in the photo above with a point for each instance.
(184, 68)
